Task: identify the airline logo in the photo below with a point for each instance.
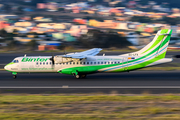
(34, 59)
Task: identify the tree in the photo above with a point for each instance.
(61, 9)
(172, 21)
(120, 4)
(97, 38)
(32, 44)
(142, 19)
(13, 44)
(3, 33)
(7, 8)
(19, 11)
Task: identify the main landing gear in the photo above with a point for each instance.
(79, 76)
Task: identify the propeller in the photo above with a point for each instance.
(64, 51)
(52, 59)
(177, 56)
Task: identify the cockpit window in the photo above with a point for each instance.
(15, 61)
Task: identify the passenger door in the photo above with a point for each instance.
(125, 63)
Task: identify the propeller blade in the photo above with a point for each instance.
(177, 56)
(52, 59)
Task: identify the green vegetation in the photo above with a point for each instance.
(171, 3)
(164, 20)
(142, 19)
(32, 44)
(97, 38)
(95, 107)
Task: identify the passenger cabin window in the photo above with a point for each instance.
(43, 63)
(94, 62)
(98, 62)
(101, 62)
(46, 63)
(87, 62)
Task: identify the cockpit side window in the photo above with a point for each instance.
(15, 61)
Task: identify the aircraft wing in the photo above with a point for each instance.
(81, 55)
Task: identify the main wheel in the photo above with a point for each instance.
(14, 76)
(77, 76)
(83, 76)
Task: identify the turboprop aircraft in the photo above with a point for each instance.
(82, 63)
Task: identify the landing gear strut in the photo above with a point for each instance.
(79, 76)
(14, 75)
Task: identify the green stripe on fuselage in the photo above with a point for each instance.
(10, 63)
(141, 65)
(97, 67)
(160, 37)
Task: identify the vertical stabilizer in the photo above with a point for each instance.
(158, 45)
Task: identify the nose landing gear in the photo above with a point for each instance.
(14, 75)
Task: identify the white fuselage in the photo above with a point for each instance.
(44, 64)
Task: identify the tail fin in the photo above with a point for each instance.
(158, 45)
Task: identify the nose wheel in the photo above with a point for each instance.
(14, 76)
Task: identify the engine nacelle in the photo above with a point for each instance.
(60, 59)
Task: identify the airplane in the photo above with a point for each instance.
(81, 64)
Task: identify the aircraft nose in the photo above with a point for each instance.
(6, 67)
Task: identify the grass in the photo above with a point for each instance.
(54, 99)
(89, 107)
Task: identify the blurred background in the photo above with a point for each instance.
(43, 27)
